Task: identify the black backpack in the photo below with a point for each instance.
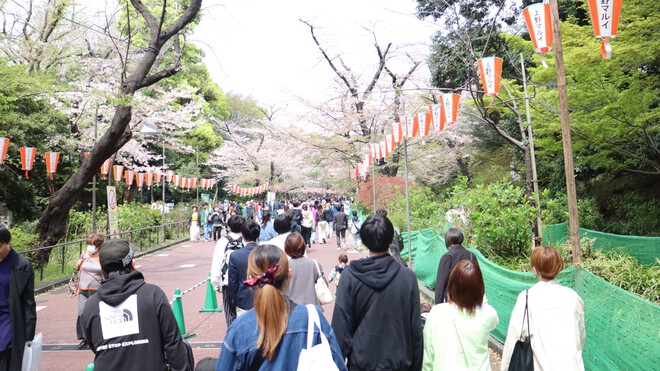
(297, 216)
(232, 245)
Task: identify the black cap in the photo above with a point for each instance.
(115, 254)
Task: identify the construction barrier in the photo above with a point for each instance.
(622, 328)
(645, 249)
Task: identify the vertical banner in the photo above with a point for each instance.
(169, 175)
(27, 158)
(157, 176)
(383, 148)
(438, 119)
(113, 217)
(130, 176)
(148, 178)
(389, 140)
(539, 24)
(425, 124)
(4, 144)
(52, 158)
(139, 177)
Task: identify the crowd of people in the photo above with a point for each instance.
(269, 287)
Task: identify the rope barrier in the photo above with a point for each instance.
(187, 291)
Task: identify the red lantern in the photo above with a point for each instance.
(105, 168)
(130, 177)
(449, 104)
(157, 176)
(175, 180)
(139, 177)
(396, 131)
(412, 126)
(383, 148)
(437, 117)
(605, 18)
(539, 24)
(169, 175)
(27, 158)
(4, 144)
(194, 182)
(203, 183)
(117, 171)
(490, 69)
(389, 140)
(149, 179)
(52, 158)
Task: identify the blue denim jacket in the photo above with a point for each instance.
(239, 349)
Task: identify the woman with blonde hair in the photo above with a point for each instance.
(456, 332)
(271, 335)
(554, 321)
(90, 278)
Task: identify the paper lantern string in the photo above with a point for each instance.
(268, 278)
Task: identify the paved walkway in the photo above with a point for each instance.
(181, 266)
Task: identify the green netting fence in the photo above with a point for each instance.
(623, 330)
(645, 249)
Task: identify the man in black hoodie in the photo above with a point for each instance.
(129, 324)
(377, 316)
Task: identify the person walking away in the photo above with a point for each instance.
(340, 222)
(282, 226)
(267, 230)
(237, 269)
(456, 252)
(329, 217)
(220, 268)
(194, 222)
(217, 220)
(397, 243)
(456, 333)
(207, 220)
(89, 280)
(370, 337)
(356, 223)
(307, 224)
(18, 310)
(555, 314)
(129, 323)
(295, 212)
(322, 227)
(271, 335)
(304, 271)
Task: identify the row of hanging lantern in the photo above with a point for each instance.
(28, 155)
(604, 17)
(148, 178)
(437, 118)
(249, 191)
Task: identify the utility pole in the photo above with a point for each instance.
(405, 167)
(197, 166)
(373, 182)
(535, 181)
(96, 134)
(566, 134)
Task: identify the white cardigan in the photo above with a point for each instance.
(556, 320)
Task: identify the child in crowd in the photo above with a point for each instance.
(338, 269)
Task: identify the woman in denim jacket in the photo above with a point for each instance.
(271, 336)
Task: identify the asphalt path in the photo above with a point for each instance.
(178, 267)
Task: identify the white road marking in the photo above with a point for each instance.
(39, 307)
(187, 266)
(186, 245)
(138, 266)
(163, 255)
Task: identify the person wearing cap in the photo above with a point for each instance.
(129, 324)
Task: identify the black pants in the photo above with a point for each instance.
(307, 234)
(217, 229)
(341, 236)
(5, 357)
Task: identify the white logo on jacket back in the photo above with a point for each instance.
(121, 320)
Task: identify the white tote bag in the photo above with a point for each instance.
(323, 293)
(32, 354)
(318, 357)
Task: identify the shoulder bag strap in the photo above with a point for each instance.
(460, 341)
(525, 315)
(318, 271)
